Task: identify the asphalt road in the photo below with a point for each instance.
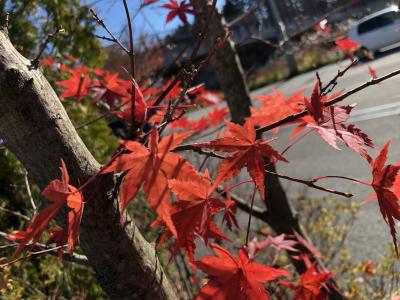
(377, 114)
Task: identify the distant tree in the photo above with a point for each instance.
(31, 21)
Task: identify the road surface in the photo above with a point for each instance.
(377, 114)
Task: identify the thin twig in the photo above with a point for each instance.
(296, 141)
(103, 25)
(204, 162)
(187, 67)
(31, 254)
(250, 214)
(15, 213)
(102, 115)
(78, 93)
(36, 61)
(28, 190)
(75, 258)
(163, 71)
(198, 150)
(359, 181)
(102, 37)
(311, 184)
(132, 61)
(243, 16)
(4, 28)
(329, 87)
(219, 43)
(266, 42)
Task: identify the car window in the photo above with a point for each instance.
(378, 22)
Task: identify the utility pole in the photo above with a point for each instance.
(287, 48)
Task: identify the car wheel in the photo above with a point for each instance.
(363, 54)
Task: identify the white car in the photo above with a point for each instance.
(377, 32)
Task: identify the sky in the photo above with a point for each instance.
(150, 20)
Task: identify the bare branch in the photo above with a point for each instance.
(28, 190)
(329, 87)
(311, 184)
(103, 25)
(188, 65)
(43, 249)
(35, 62)
(15, 213)
(132, 61)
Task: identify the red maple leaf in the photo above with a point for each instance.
(384, 179)
(70, 57)
(348, 46)
(182, 123)
(140, 103)
(192, 214)
(178, 10)
(279, 243)
(217, 116)
(231, 278)
(275, 107)
(58, 236)
(230, 213)
(329, 123)
(152, 167)
(200, 125)
(109, 87)
(59, 193)
(205, 96)
(372, 72)
(49, 61)
(173, 94)
(312, 286)
(75, 86)
(247, 151)
(397, 183)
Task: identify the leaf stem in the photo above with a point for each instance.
(342, 177)
(250, 214)
(296, 141)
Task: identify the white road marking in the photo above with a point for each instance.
(375, 112)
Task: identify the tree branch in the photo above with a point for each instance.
(36, 128)
(75, 258)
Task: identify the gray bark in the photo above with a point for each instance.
(36, 128)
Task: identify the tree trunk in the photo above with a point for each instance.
(36, 128)
(229, 72)
(225, 62)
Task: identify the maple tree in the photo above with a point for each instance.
(188, 202)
